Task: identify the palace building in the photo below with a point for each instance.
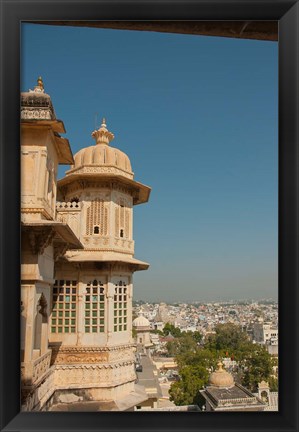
(77, 265)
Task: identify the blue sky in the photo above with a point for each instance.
(198, 117)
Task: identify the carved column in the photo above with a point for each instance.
(130, 299)
(80, 312)
(44, 330)
(42, 174)
(29, 292)
(110, 309)
(44, 336)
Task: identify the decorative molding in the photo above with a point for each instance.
(116, 185)
(36, 114)
(107, 169)
(82, 358)
(104, 249)
(40, 210)
(89, 349)
(102, 366)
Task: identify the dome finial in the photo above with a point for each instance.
(220, 366)
(102, 135)
(39, 88)
(220, 377)
(40, 83)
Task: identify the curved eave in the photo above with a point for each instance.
(141, 191)
(63, 232)
(95, 256)
(56, 125)
(63, 148)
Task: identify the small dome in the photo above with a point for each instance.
(141, 321)
(101, 154)
(221, 378)
(36, 104)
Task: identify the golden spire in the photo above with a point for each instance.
(40, 83)
(39, 88)
(220, 366)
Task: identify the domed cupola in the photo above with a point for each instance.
(102, 158)
(141, 322)
(101, 166)
(221, 378)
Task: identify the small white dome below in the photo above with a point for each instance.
(141, 321)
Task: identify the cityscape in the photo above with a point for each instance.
(253, 321)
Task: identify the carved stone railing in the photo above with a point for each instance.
(41, 366)
(65, 206)
(33, 371)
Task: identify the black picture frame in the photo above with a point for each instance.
(12, 14)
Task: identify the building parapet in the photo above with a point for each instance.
(65, 206)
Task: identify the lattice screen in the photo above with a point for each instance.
(97, 218)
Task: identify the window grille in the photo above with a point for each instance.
(120, 307)
(94, 307)
(64, 308)
(97, 217)
(122, 220)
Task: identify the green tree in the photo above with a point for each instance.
(171, 329)
(256, 367)
(195, 361)
(229, 340)
(187, 390)
(181, 346)
(196, 335)
(159, 332)
(273, 383)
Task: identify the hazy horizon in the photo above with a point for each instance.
(228, 300)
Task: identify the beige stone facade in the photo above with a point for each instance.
(77, 262)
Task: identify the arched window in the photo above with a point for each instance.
(64, 306)
(97, 217)
(120, 306)
(94, 307)
(264, 396)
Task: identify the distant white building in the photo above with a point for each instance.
(228, 362)
(142, 327)
(265, 333)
